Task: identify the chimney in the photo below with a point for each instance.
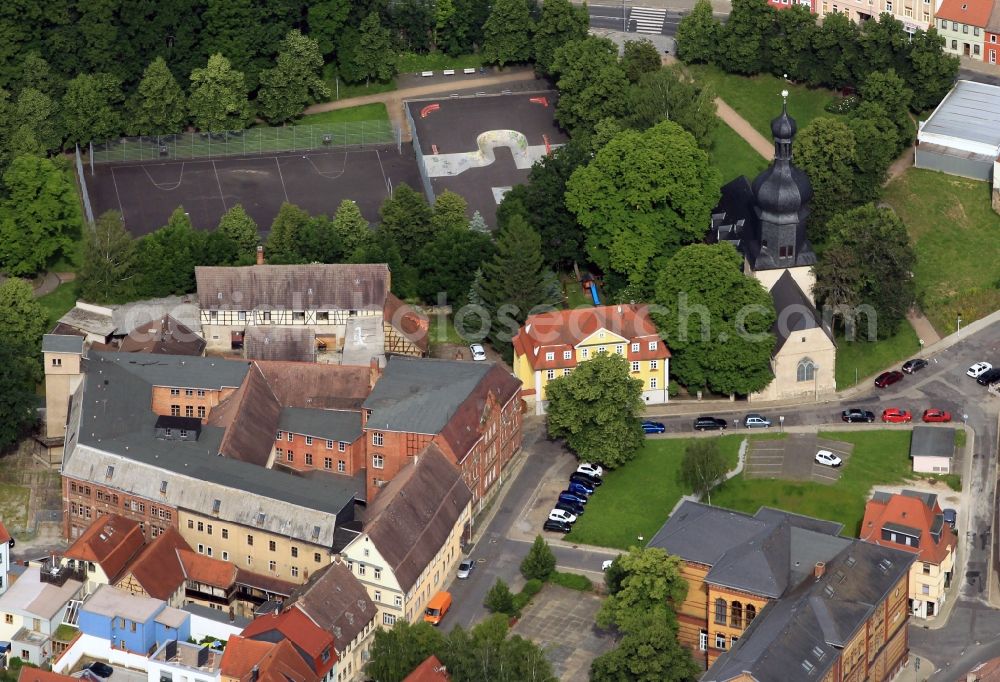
(819, 570)
(374, 372)
(260, 254)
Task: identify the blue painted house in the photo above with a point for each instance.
(137, 624)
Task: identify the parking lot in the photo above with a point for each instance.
(793, 458)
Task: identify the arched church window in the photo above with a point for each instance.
(806, 370)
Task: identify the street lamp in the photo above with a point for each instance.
(959, 332)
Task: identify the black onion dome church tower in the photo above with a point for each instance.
(781, 203)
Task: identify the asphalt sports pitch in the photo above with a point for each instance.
(317, 181)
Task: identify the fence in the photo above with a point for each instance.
(428, 192)
(84, 192)
(251, 141)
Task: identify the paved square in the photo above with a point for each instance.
(792, 458)
(561, 621)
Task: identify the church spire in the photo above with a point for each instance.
(783, 128)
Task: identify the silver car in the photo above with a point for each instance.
(465, 569)
(756, 421)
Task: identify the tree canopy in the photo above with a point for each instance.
(703, 465)
(698, 34)
(666, 94)
(591, 83)
(108, 272)
(218, 99)
(507, 33)
(159, 107)
(294, 82)
(560, 22)
(652, 585)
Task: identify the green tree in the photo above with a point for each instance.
(595, 409)
(540, 562)
(885, 45)
(449, 261)
(396, 652)
(652, 585)
(37, 73)
(889, 90)
(703, 466)
(36, 128)
(108, 274)
(836, 52)
(372, 56)
(449, 212)
(295, 80)
(18, 375)
(97, 31)
(642, 197)
(591, 83)
(351, 228)
(218, 100)
(560, 22)
(159, 106)
(667, 95)
(166, 258)
(789, 46)
(825, 152)
(875, 148)
(507, 33)
(39, 219)
(406, 219)
(478, 223)
(499, 599)
(91, 108)
(23, 320)
(320, 243)
(650, 654)
(877, 242)
(283, 239)
(237, 224)
(744, 36)
(614, 575)
(639, 58)
(729, 348)
(698, 35)
(326, 20)
(488, 653)
(932, 70)
(230, 28)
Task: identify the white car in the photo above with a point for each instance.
(606, 564)
(591, 469)
(478, 352)
(827, 458)
(979, 369)
(560, 515)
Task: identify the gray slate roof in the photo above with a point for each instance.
(57, 343)
(971, 111)
(932, 441)
(419, 395)
(335, 425)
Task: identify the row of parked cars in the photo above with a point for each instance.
(572, 501)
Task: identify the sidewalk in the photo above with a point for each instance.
(744, 129)
(918, 669)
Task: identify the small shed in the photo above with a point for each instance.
(932, 449)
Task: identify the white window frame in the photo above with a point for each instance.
(550, 356)
(378, 461)
(377, 438)
(654, 365)
(653, 345)
(635, 347)
(550, 374)
(567, 355)
(635, 365)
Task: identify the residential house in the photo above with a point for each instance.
(35, 605)
(314, 645)
(777, 592)
(180, 661)
(991, 37)
(412, 538)
(5, 539)
(157, 572)
(131, 623)
(963, 25)
(470, 410)
(430, 670)
(932, 449)
(552, 344)
(913, 521)
(249, 660)
(105, 550)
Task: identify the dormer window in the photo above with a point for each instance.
(109, 473)
(163, 487)
(549, 357)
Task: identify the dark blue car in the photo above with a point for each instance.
(653, 427)
(571, 507)
(572, 498)
(580, 489)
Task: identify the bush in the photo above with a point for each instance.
(844, 105)
(573, 581)
(673, 389)
(532, 587)
(540, 561)
(499, 599)
(520, 601)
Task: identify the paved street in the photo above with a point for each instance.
(641, 20)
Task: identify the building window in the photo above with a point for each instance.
(635, 365)
(720, 640)
(652, 345)
(316, 557)
(584, 353)
(190, 524)
(927, 569)
(733, 640)
(635, 347)
(703, 640)
(8, 618)
(378, 461)
(388, 619)
(378, 596)
(567, 355)
(280, 453)
(175, 392)
(57, 362)
(225, 533)
(975, 49)
(341, 446)
(189, 410)
(377, 438)
(620, 349)
(550, 374)
(188, 392)
(272, 545)
(965, 28)
(720, 611)
(566, 371)
(278, 437)
(954, 44)
(309, 458)
(341, 466)
(250, 540)
(397, 601)
(295, 552)
(309, 440)
(295, 571)
(208, 529)
(549, 357)
(201, 549)
(201, 393)
(361, 569)
(175, 410)
(327, 462)
(654, 365)
(377, 573)
(208, 551)
(201, 527)
(201, 412)
(993, 56)
(736, 615)
(288, 437)
(954, 26)
(653, 382)
(806, 371)
(290, 456)
(225, 555)
(602, 349)
(329, 445)
(271, 565)
(751, 613)
(925, 589)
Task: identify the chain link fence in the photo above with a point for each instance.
(251, 141)
(424, 179)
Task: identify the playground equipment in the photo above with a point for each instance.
(590, 284)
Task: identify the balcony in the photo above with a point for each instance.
(57, 575)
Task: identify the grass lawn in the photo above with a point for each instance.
(758, 98)
(59, 302)
(576, 297)
(442, 330)
(880, 457)
(364, 112)
(637, 498)
(733, 155)
(14, 506)
(950, 223)
(861, 359)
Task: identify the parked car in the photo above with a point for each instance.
(606, 564)
(653, 427)
(573, 498)
(437, 607)
(855, 415)
(950, 517)
(580, 488)
(595, 470)
(592, 481)
(562, 515)
(756, 421)
(934, 415)
(709, 424)
(990, 376)
(100, 669)
(465, 568)
(478, 352)
(896, 415)
(827, 458)
(914, 365)
(888, 378)
(556, 526)
(573, 508)
(978, 369)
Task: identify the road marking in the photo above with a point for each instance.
(648, 19)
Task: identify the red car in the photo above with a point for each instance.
(888, 378)
(936, 416)
(894, 415)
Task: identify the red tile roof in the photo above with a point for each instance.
(296, 626)
(207, 570)
(4, 535)
(407, 321)
(111, 542)
(275, 662)
(431, 670)
(29, 674)
(989, 671)
(158, 569)
(972, 12)
(908, 511)
(562, 330)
